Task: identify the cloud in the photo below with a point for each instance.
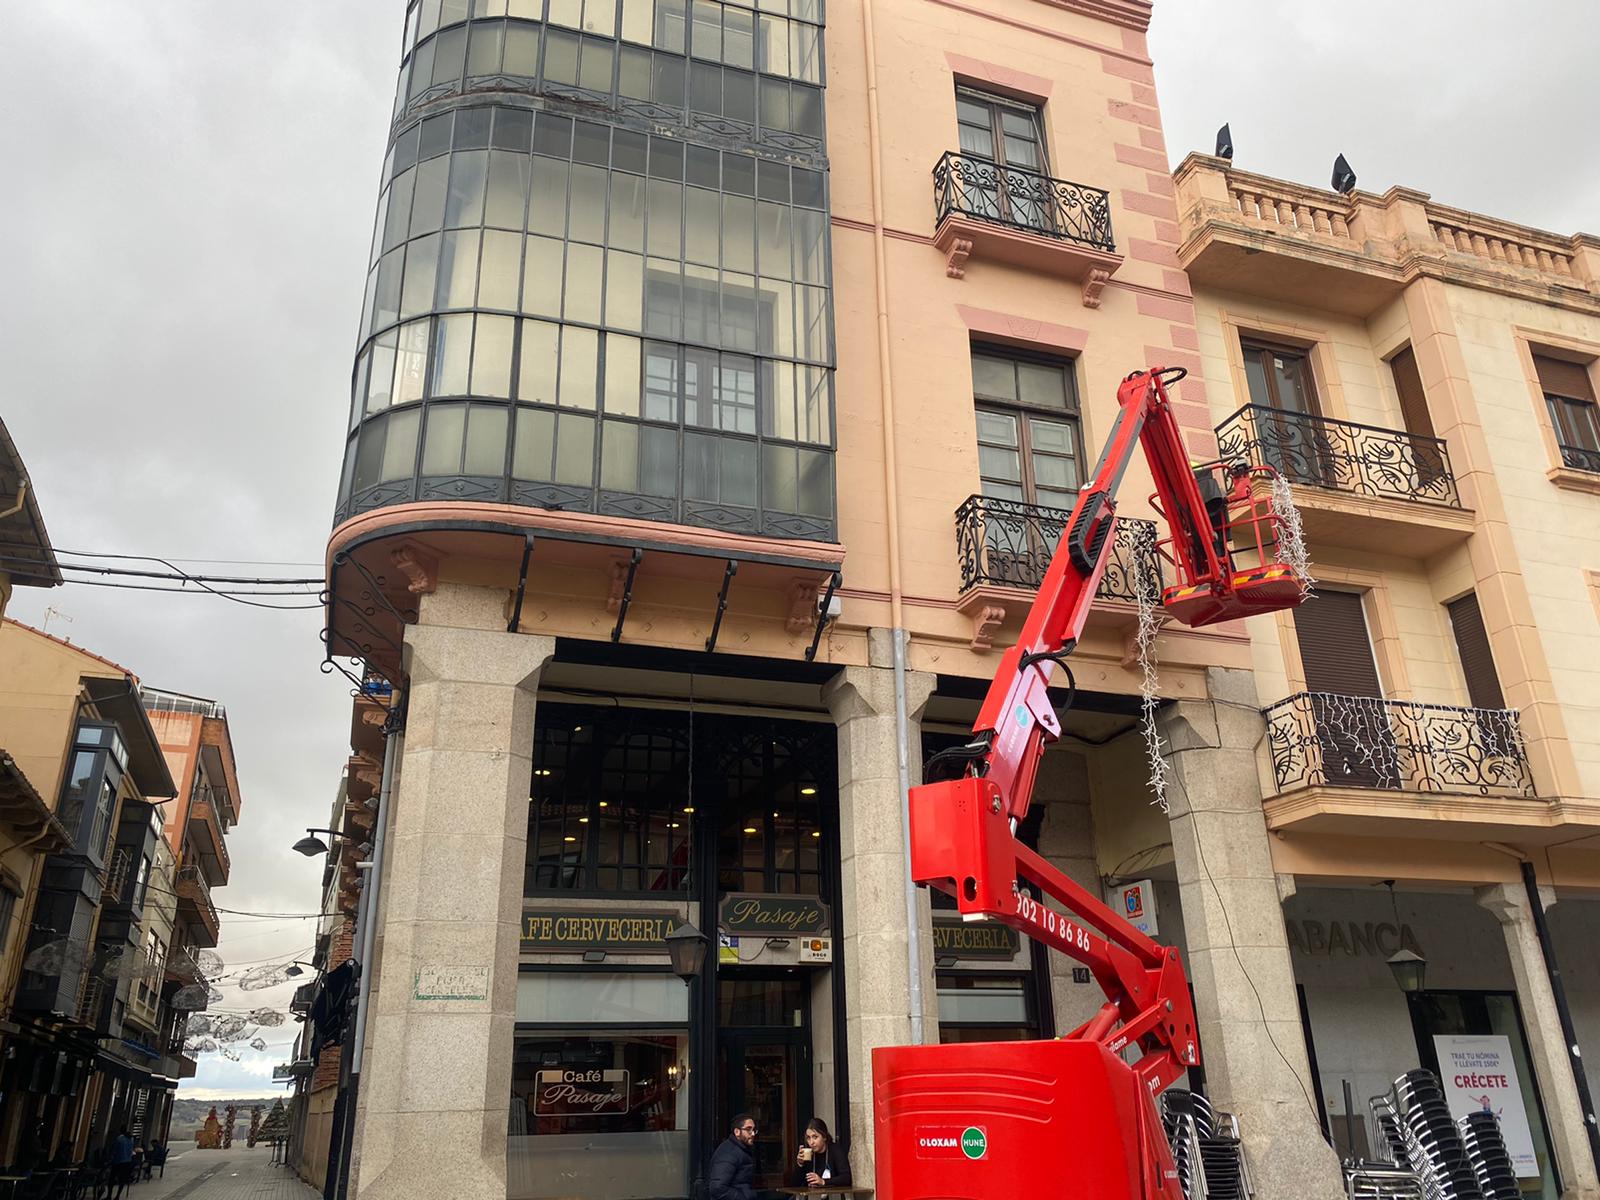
(1454, 100)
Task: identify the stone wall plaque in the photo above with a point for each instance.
(451, 983)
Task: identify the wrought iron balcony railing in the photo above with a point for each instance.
(1320, 739)
(1341, 455)
(1027, 200)
(120, 878)
(1009, 543)
(1580, 459)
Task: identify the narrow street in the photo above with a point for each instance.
(236, 1174)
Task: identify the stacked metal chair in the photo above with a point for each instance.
(1486, 1151)
(1413, 1125)
(1205, 1147)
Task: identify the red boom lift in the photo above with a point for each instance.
(1067, 1119)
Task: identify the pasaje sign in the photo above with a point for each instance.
(772, 916)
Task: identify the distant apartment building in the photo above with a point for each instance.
(93, 1030)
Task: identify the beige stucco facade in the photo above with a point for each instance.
(1347, 284)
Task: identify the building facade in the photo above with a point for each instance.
(725, 375)
(103, 938)
(1426, 378)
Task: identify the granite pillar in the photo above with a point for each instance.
(873, 871)
(1255, 1058)
(437, 1077)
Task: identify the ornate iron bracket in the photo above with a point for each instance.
(515, 624)
(627, 593)
(822, 616)
(728, 573)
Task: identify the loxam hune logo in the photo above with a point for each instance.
(974, 1142)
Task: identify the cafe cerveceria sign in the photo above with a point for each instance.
(974, 939)
(772, 916)
(596, 929)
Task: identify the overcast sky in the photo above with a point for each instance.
(184, 226)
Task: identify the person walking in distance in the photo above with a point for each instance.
(121, 1162)
(733, 1165)
(821, 1161)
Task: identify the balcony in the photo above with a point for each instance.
(208, 837)
(1369, 485)
(1352, 254)
(1009, 215)
(1005, 547)
(1580, 459)
(1357, 764)
(194, 893)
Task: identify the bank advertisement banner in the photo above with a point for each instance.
(1479, 1075)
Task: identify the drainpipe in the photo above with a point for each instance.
(1559, 990)
(897, 629)
(366, 936)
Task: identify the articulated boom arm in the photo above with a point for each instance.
(962, 830)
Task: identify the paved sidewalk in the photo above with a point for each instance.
(236, 1174)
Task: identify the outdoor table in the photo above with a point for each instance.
(824, 1190)
(10, 1183)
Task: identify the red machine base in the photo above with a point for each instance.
(1059, 1120)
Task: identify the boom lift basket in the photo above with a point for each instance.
(1239, 499)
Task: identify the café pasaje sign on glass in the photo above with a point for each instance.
(596, 929)
(581, 1092)
(745, 913)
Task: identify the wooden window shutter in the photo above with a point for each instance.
(1558, 377)
(1472, 642)
(1413, 401)
(1334, 647)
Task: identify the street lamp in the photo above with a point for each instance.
(1409, 968)
(311, 845)
(687, 947)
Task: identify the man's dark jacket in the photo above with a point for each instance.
(733, 1172)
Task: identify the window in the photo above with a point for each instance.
(1028, 433)
(1341, 673)
(986, 1008)
(600, 1089)
(1000, 130)
(1477, 660)
(1279, 377)
(1569, 395)
(614, 809)
(1010, 135)
(1280, 381)
(1426, 452)
(498, 223)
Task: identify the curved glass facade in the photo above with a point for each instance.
(600, 268)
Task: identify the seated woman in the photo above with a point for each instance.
(821, 1161)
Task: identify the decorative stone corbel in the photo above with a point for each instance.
(619, 585)
(418, 566)
(1093, 285)
(955, 262)
(985, 621)
(802, 606)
